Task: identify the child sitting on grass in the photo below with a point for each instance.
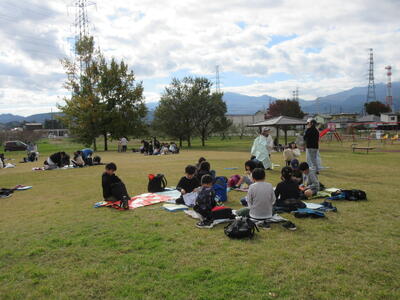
(287, 192)
(188, 183)
(113, 187)
(205, 169)
(310, 185)
(205, 202)
(260, 199)
(249, 167)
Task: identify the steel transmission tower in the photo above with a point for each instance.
(217, 81)
(81, 25)
(371, 95)
(389, 97)
(295, 94)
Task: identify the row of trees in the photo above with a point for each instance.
(189, 108)
(105, 99)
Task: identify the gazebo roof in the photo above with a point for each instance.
(279, 121)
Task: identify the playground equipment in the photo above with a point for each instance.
(331, 129)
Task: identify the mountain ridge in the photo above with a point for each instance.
(351, 100)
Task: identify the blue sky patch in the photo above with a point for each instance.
(277, 39)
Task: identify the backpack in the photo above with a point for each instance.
(220, 186)
(354, 195)
(351, 195)
(157, 183)
(205, 200)
(4, 193)
(221, 212)
(233, 180)
(241, 228)
(96, 160)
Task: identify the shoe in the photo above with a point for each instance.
(265, 225)
(124, 203)
(205, 224)
(289, 226)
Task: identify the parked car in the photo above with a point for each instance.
(15, 146)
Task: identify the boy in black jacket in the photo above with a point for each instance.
(205, 202)
(188, 183)
(113, 187)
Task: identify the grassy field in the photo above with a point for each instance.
(55, 245)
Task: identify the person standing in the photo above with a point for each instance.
(124, 144)
(261, 148)
(311, 139)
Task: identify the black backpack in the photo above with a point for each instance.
(355, 195)
(241, 228)
(96, 160)
(157, 183)
(4, 193)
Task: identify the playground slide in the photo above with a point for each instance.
(323, 132)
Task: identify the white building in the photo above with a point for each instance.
(389, 117)
(242, 119)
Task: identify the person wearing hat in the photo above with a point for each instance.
(262, 147)
(311, 139)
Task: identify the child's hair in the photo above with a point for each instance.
(111, 166)
(251, 164)
(205, 166)
(304, 166)
(287, 173)
(206, 179)
(258, 174)
(191, 170)
(201, 159)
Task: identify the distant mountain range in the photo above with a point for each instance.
(38, 118)
(347, 101)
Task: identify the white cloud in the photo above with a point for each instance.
(156, 38)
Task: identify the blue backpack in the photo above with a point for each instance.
(220, 187)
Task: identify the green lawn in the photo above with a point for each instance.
(55, 245)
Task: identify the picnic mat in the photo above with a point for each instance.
(174, 207)
(22, 187)
(137, 201)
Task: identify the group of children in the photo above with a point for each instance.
(81, 159)
(298, 183)
(154, 147)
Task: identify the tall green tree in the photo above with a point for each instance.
(376, 108)
(105, 98)
(171, 115)
(289, 108)
(188, 108)
(209, 109)
(122, 101)
(82, 110)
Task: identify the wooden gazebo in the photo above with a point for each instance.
(282, 122)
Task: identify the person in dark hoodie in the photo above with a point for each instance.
(205, 169)
(311, 139)
(113, 187)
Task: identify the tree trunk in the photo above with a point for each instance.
(189, 142)
(203, 140)
(180, 142)
(94, 145)
(105, 141)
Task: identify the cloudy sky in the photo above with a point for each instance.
(262, 46)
